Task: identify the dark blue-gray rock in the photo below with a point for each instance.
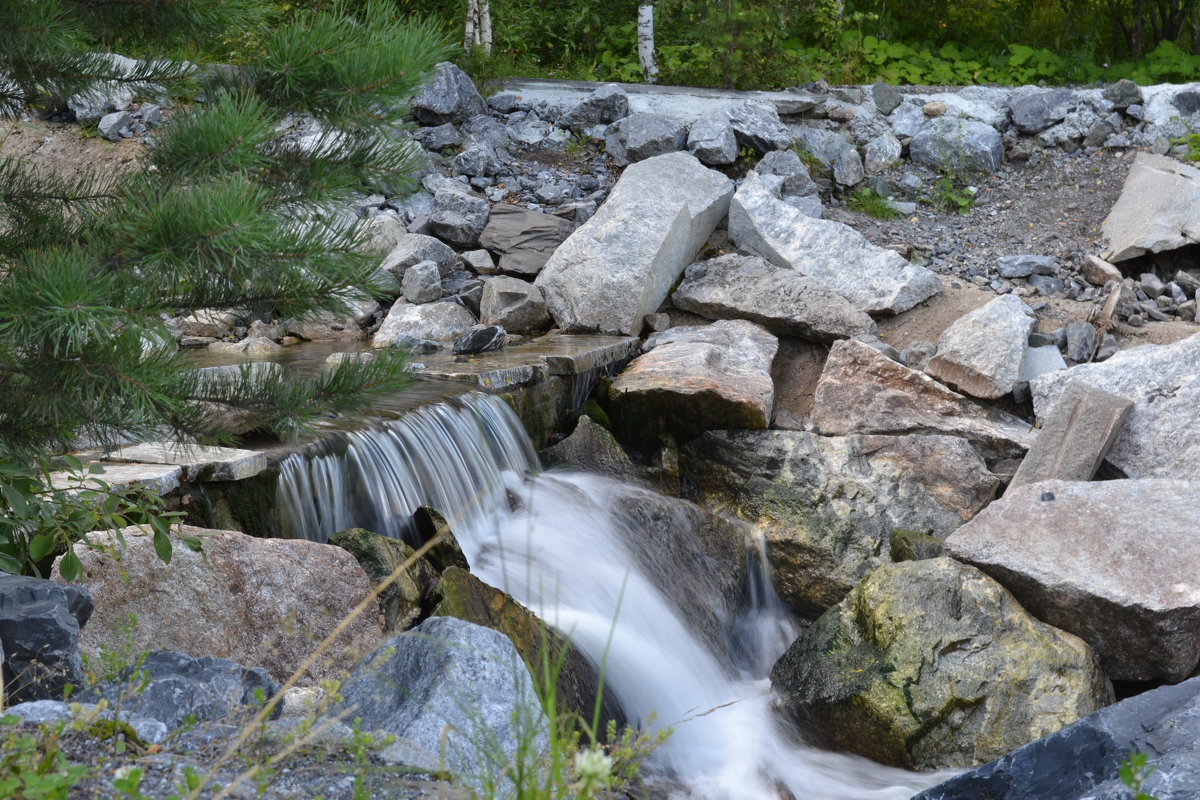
(523, 239)
(438, 137)
(457, 696)
(608, 103)
(413, 248)
(647, 135)
(43, 712)
(1023, 266)
(1081, 761)
(486, 128)
(505, 102)
(958, 145)
(151, 114)
(515, 304)
(104, 97)
(880, 153)
(39, 636)
(174, 688)
(824, 145)
(110, 125)
(711, 139)
(787, 165)
(907, 119)
(1081, 341)
(1123, 94)
(448, 96)
(458, 218)
(1036, 112)
(422, 283)
(1046, 284)
(885, 96)
(848, 169)
(756, 125)
(480, 339)
(478, 159)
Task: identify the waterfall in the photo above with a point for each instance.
(551, 542)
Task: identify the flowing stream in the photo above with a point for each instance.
(551, 542)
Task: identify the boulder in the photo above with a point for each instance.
(523, 239)
(711, 139)
(697, 379)
(886, 97)
(958, 145)
(1158, 210)
(1036, 112)
(551, 657)
(872, 278)
(111, 125)
(1160, 438)
(848, 169)
(438, 137)
(591, 448)
(456, 696)
(781, 300)
(1083, 760)
(477, 159)
(176, 689)
(982, 352)
(645, 135)
(422, 283)
(608, 103)
(516, 305)
(443, 321)
(47, 712)
(335, 326)
(756, 125)
(619, 266)
(410, 595)
(39, 636)
(1114, 562)
(828, 505)
(260, 602)
(787, 165)
(458, 217)
(480, 339)
(412, 249)
(863, 391)
(1022, 266)
(448, 96)
(881, 152)
(215, 322)
(932, 664)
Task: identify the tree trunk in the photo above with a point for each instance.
(645, 42)
(485, 26)
(470, 30)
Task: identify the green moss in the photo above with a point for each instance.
(409, 598)
(914, 546)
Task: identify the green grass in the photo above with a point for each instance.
(868, 202)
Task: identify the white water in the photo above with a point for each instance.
(549, 542)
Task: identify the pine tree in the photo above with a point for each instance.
(227, 215)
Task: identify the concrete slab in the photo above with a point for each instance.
(199, 463)
(161, 478)
(1075, 436)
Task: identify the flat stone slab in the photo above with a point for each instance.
(1117, 563)
(982, 352)
(532, 361)
(874, 279)
(620, 265)
(1158, 210)
(697, 379)
(782, 300)
(863, 391)
(1161, 437)
(199, 463)
(577, 355)
(160, 478)
(1075, 436)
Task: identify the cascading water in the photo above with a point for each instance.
(551, 542)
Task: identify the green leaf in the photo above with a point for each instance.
(17, 502)
(10, 565)
(40, 547)
(162, 546)
(70, 567)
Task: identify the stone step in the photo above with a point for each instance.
(198, 462)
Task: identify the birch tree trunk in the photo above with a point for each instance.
(470, 27)
(645, 41)
(485, 26)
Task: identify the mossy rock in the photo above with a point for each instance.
(915, 546)
(932, 664)
(464, 596)
(410, 597)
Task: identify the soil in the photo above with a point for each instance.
(64, 148)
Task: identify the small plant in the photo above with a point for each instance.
(870, 203)
(1192, 140)
(577, 146)
(949, 197)
(32, 765)
(1133, 771)
(814, 165)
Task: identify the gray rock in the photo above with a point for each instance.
(1082, 761)
(916, 355)
(711, 139)
(592, 448)
(1123, 94)
(907, 119)
(848, 169)
(1040, 360)
(1081, 341)
(1047, 284)
(111, 124)
(781, 300)
(809, 205)
(1023, 266)
(981, 353)
(787, 165)
(620, 265)
(697, 379)
(415, 248)
(480, 261)
(39, 636)
(958, 145)
(174, 688)
(1188, 282)
(478, 159)
(1158, 210)
(932, 664)
(1099, 272)
(515, 304)
(1151, 284)
(524, 239)
(880, 153)
(863, 391)
(756, 125)
(448, 96)
(105, 97)
(1132, 593)
(886, 97)
(1160, 439)
(828, 505)
(529, 131)
(441, 321)
(485, 128)
(505, 102)
(42, 712)
(199, 462)
(458, 218)
(1036, 112)
(422, 283)
(480, 339)
(456, 695)
(607, 103)
(647, 135)
(823, 145)
(438, 137)
(872, 278)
